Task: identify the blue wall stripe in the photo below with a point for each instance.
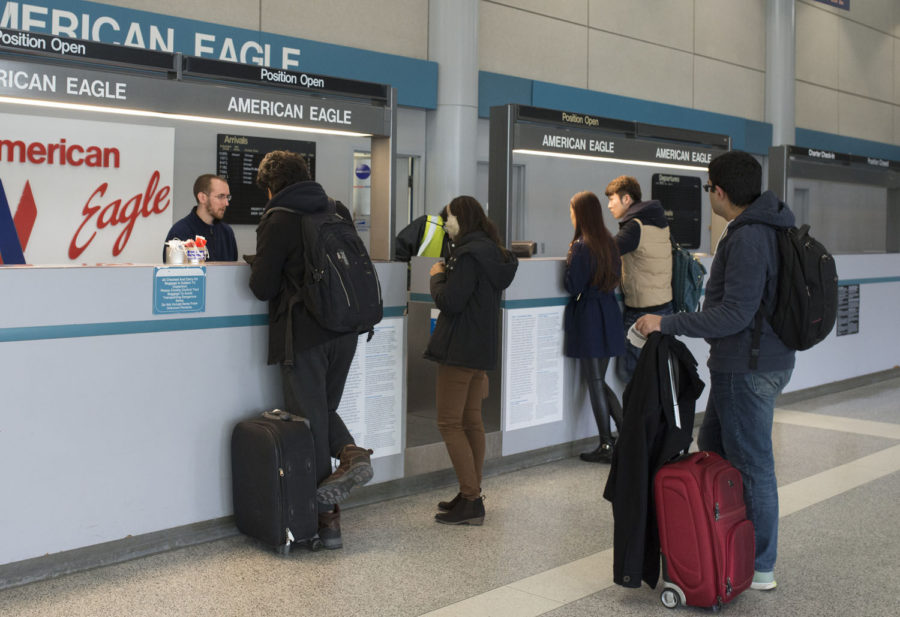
(870, 281)
(495, 89)
(37, 333)
(535, 303)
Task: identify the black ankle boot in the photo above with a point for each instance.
(603, 454)
(466, 512)
(446, 506)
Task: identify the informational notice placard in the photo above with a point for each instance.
(848, 310)
(533, 371)
(179, 289)
(372, 405)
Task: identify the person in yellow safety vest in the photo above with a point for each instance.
(425, 236)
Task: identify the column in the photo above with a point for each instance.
(450, 130)
(780, 42)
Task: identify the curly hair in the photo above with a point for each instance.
(280, 169)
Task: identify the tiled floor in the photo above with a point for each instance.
(545, 548)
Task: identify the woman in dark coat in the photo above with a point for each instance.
(465, 343)
(593, 320)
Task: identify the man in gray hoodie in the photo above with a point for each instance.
(741, 406)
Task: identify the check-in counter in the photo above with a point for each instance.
(116, 417)
(544, 401)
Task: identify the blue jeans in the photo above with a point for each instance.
(738, 426)
(627, 362)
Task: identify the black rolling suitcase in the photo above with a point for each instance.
(273, 471)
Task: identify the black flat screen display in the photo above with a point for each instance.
(680, 198)
(238, 158)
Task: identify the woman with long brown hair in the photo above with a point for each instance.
(465, 343)
(593, 320)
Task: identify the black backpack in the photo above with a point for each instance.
(805, 307)
(340, 287)
(687, 279)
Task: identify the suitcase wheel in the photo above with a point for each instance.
(669, 598)
(315, 544)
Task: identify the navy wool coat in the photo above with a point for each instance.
(593, 319)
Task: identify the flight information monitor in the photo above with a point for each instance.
(238, 158)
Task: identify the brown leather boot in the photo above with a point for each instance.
(465, 512)
(355, 470)
(330, 529)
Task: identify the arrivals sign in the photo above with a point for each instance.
(83, 192)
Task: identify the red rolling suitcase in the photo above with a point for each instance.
(707, 543)
(273, 472)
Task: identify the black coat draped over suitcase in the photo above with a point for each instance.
(649, 437)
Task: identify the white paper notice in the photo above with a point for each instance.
(533, 373)
(372, 403)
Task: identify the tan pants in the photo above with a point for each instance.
(459, 395)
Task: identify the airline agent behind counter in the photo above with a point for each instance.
(205, 219)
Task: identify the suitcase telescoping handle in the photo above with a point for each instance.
(284, 416)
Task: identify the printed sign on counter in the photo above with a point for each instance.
(372, 404)
(179, 289)
(533, 371)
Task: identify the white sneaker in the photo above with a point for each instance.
(763, 581)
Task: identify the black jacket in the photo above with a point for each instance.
(467, 332)
(648, 438)
(279, 254)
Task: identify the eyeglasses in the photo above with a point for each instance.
(708, 187)
(221, 196)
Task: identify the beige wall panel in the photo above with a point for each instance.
(896, 22)
(633, 68)
(240, 13)
(388, 26)
(728, 89)
(865, 62)
(522, 44)
(568, 10)
(864, 118)
(732, 31)
(878, 14)
(897, 70)
(665, 22)
(817, 46)
(816, 108)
